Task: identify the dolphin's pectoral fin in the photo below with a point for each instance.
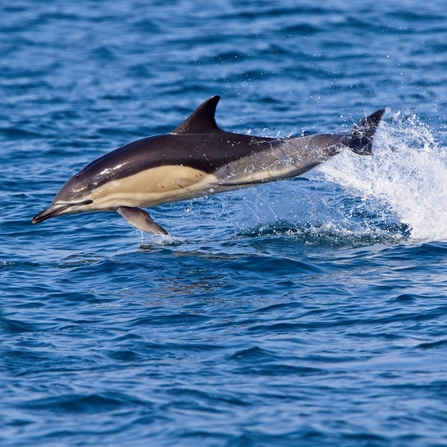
(140, 219)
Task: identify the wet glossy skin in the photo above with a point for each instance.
(197, 158)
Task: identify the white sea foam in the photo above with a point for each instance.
(397, 193)
(408, 173)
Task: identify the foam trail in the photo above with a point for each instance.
(408, 172)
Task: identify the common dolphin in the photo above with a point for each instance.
(196, 159)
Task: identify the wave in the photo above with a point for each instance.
(406, 176)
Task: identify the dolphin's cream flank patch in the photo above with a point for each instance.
(151, 187)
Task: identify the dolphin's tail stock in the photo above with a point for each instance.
(360, 140)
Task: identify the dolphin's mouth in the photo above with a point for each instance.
(55, 210)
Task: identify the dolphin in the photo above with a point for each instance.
(196, 159)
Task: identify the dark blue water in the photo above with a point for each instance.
(309, 312)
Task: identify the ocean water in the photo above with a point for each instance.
(306, 312)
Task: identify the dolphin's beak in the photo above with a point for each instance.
(48, 213)
(57, 209)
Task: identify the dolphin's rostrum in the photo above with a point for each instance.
(196, 159)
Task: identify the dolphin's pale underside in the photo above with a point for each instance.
(196, 159)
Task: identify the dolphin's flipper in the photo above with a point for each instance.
(140, 219)
(360, 139)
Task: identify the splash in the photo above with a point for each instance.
(407, 174)
(395, 195)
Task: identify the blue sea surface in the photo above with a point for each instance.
(305, 312)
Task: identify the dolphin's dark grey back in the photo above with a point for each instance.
(197, 143)
(206, 152)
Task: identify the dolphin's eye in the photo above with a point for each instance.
(77, 175)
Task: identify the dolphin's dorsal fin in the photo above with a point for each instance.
(201, 120)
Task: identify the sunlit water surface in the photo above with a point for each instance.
(308, 312)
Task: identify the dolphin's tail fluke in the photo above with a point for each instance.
(360, 139)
